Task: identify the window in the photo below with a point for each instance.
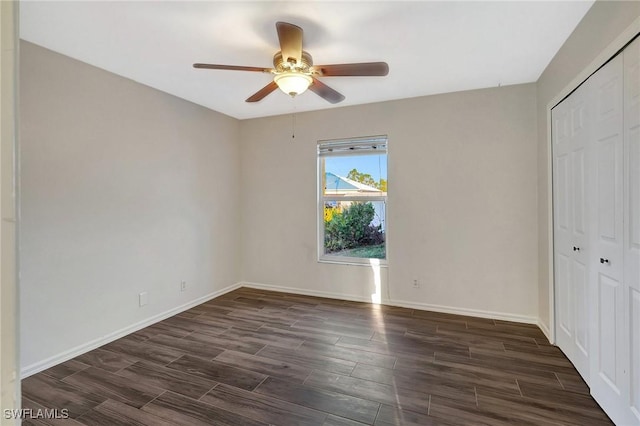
(352, 200)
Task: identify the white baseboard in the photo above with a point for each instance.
(305, 292)
(93, 344)
(479, 313)
(526, 319)
(545, 330)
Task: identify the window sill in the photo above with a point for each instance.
(354, 261)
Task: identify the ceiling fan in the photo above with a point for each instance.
(294, 72)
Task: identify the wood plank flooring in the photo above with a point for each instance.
(256, 357)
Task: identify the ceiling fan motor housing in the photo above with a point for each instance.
(282, 66)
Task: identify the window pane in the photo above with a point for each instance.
(355, 175)
(355, 229)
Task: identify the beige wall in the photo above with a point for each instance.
(462, 213)
(9, 383)
(125, 189)
(600, 26)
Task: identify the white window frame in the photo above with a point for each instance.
(340, 148)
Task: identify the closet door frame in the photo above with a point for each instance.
(609, 52)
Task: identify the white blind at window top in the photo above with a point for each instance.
(359, 146)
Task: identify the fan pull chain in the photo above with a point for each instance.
(293, 125)
(293, 120)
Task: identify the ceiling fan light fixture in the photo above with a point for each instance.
(293, 83)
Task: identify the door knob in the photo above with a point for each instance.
(602, 260)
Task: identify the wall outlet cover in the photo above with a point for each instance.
(143, 298)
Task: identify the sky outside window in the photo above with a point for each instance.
(375, 165)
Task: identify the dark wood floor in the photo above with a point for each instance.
(262, 358)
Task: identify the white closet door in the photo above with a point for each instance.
(596, 173)
(632, 218)
(609, 368)
(562, 234)
(571, 135)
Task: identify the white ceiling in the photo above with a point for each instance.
(431, 47)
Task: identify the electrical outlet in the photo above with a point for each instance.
(183, 285)
(416, 284)
(143, 298)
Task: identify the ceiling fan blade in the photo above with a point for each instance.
(290, 37)
(326, 92)
(231, 67)
(260, 94)
(363, 69)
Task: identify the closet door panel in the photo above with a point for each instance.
(634, 330)
(571, 226)
(610, 360)
(633, 207)
(632, 217)
(608, 198)
(579, 182)
(580, 289)
(562, 202)
(563, 206)
(579, 261)
(578, 141)
(609, 325)
(565, 299)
